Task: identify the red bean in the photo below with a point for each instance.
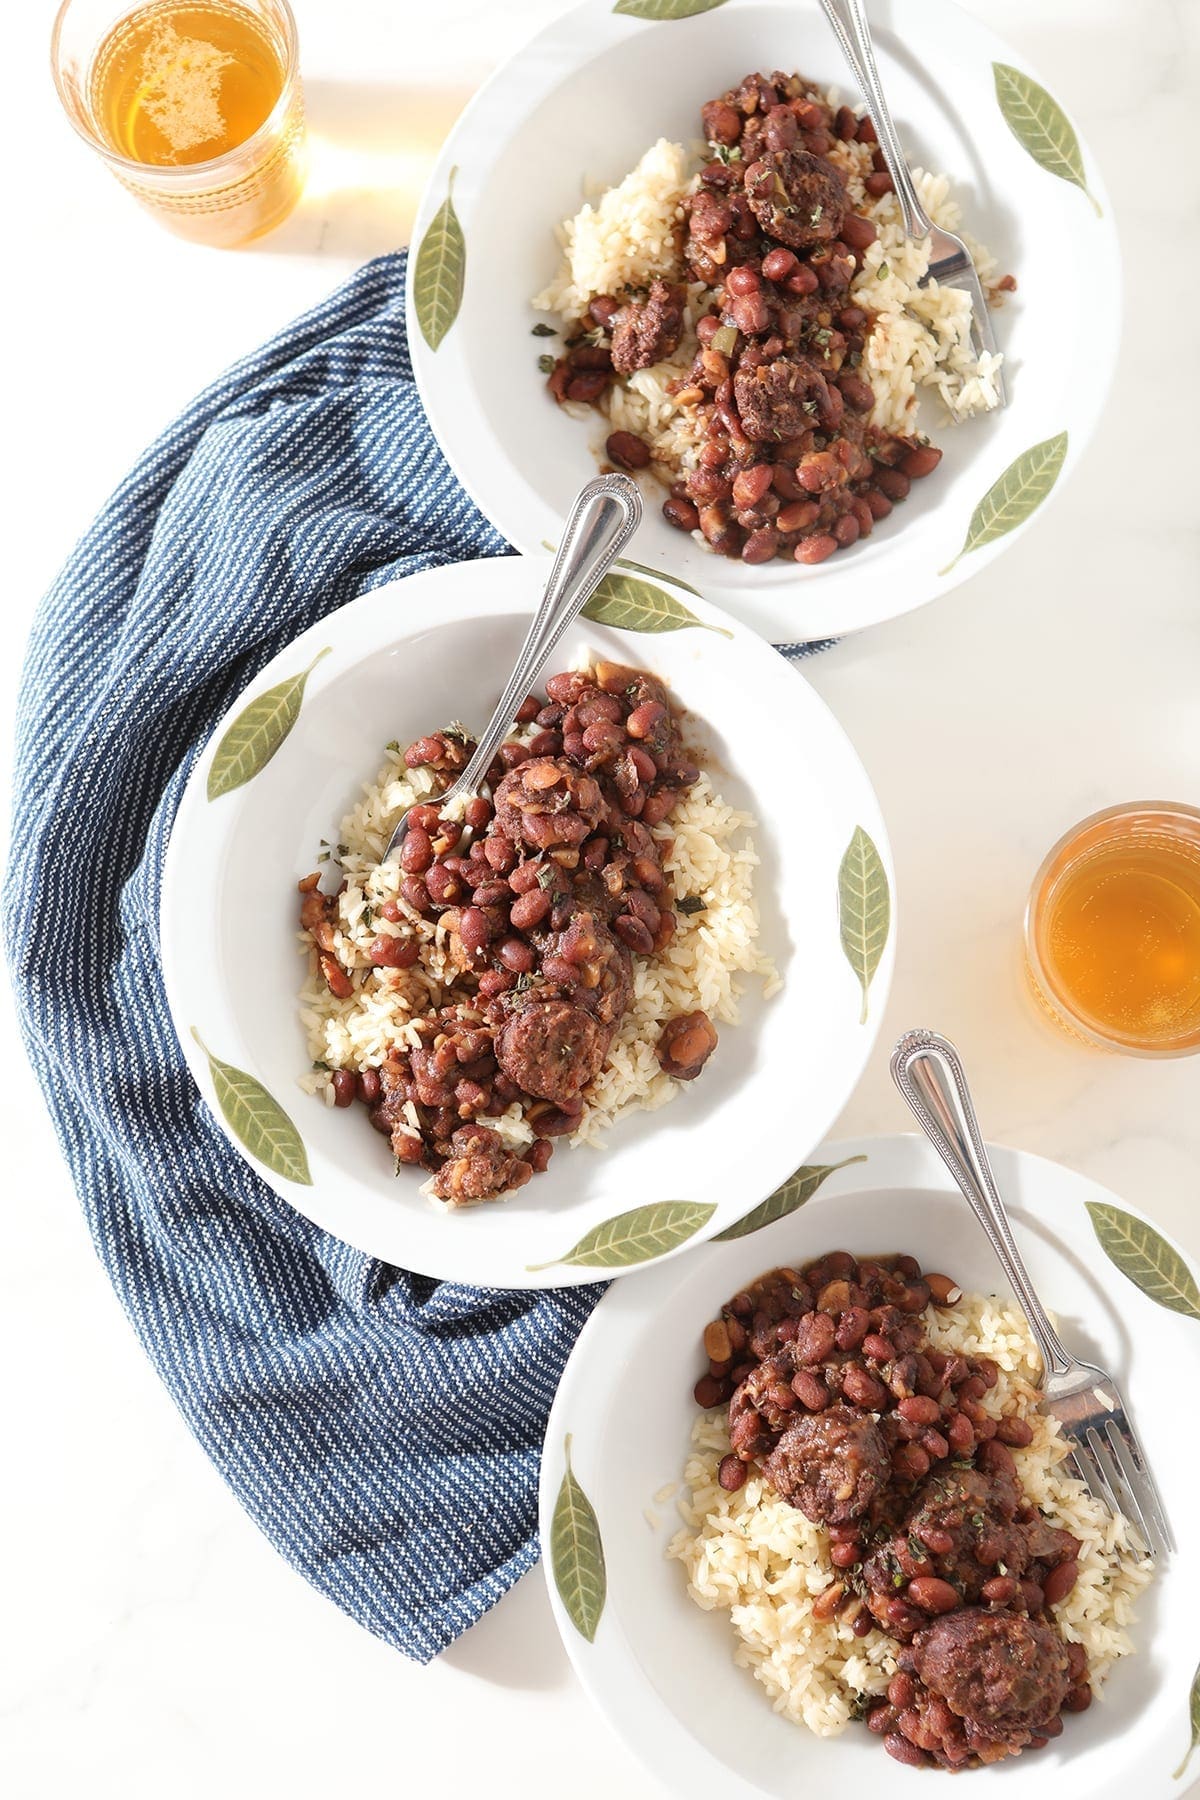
(744, 279)
(910, 1462)
(999, 1590)
(879, 504)
(897, 1745)
(857, 233)
(749, 312)
(443, 885)
(934, 1444)
(779, 264)
(345, 1086)
(810, 1390)
(1059, 1582)
(516, 956)
(645, 719)
(749, 485)
(880, 1719)
(878, 182)
(827, 1602)
(802, 280)
(633, 934)
(816, 548)
(530, 909)
(495, 981)
(935, 1539)
(894, 483)
(591, 383)
(1079, 1698)
(416, 852)
(642, 762)
(878, 1347)
(846, 530)
(996, 1459)
(960, 1434)
(1014, 1431)
(933, 1595)
(863, 1389)
(627, 450)
(844, 1556)
(680, 513)
(731, 1473)
(920, 1410)
(922, 460)
(473, 930)
(710, 1390)
(389, 952)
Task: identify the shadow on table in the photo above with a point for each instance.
(516, 1645)
(371, 148)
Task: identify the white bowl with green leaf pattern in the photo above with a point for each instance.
(585, 98)
(289, 760)
(662, 1671)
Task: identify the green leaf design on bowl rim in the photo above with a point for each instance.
(864, 909)
(440, 271)
(628, 603)
(1014, 495)
(788, 1198)
(1041, 127)
(257, 1120)
(577, 1554)
(1144, 1257)
(665, 9)
(636, 1236)
(251, 740)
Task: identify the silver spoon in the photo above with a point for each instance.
(604, 517)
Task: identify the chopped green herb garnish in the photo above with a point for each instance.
(393, 747)
(882, 271)
(546, 876)
(321, 1065)
(822, 334)
(691, 903)
(544, 331)
(814, 217)
(727, 153)
(547, 364)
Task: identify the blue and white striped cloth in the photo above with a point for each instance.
(382, 1429)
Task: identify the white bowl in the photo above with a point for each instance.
(581, 102)
(401, 661)
(662, 1671)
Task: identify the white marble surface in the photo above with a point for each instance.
(153, 1642)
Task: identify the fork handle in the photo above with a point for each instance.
(600, 524)
(853, 33)
(929, 1073)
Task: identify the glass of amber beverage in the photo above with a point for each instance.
(1112, 930)
(196, 107)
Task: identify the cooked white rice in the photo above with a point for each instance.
(764, 1562)
(712, 855)
(921, 342)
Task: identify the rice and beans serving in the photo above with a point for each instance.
(876, 1498)
(569, 964)
(754, 332)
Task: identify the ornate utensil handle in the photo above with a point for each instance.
(600, 524)
(927, 1070)
(853, 33)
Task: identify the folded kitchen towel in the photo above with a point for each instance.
(383, 1429)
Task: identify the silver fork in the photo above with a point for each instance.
(601, 522)
(950, 261)
(1084, 1399)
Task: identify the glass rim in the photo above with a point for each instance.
(1047, 989)
(171, 173)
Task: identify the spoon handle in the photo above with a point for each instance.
(929, 1073)
(853, 33)
(600, 524)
